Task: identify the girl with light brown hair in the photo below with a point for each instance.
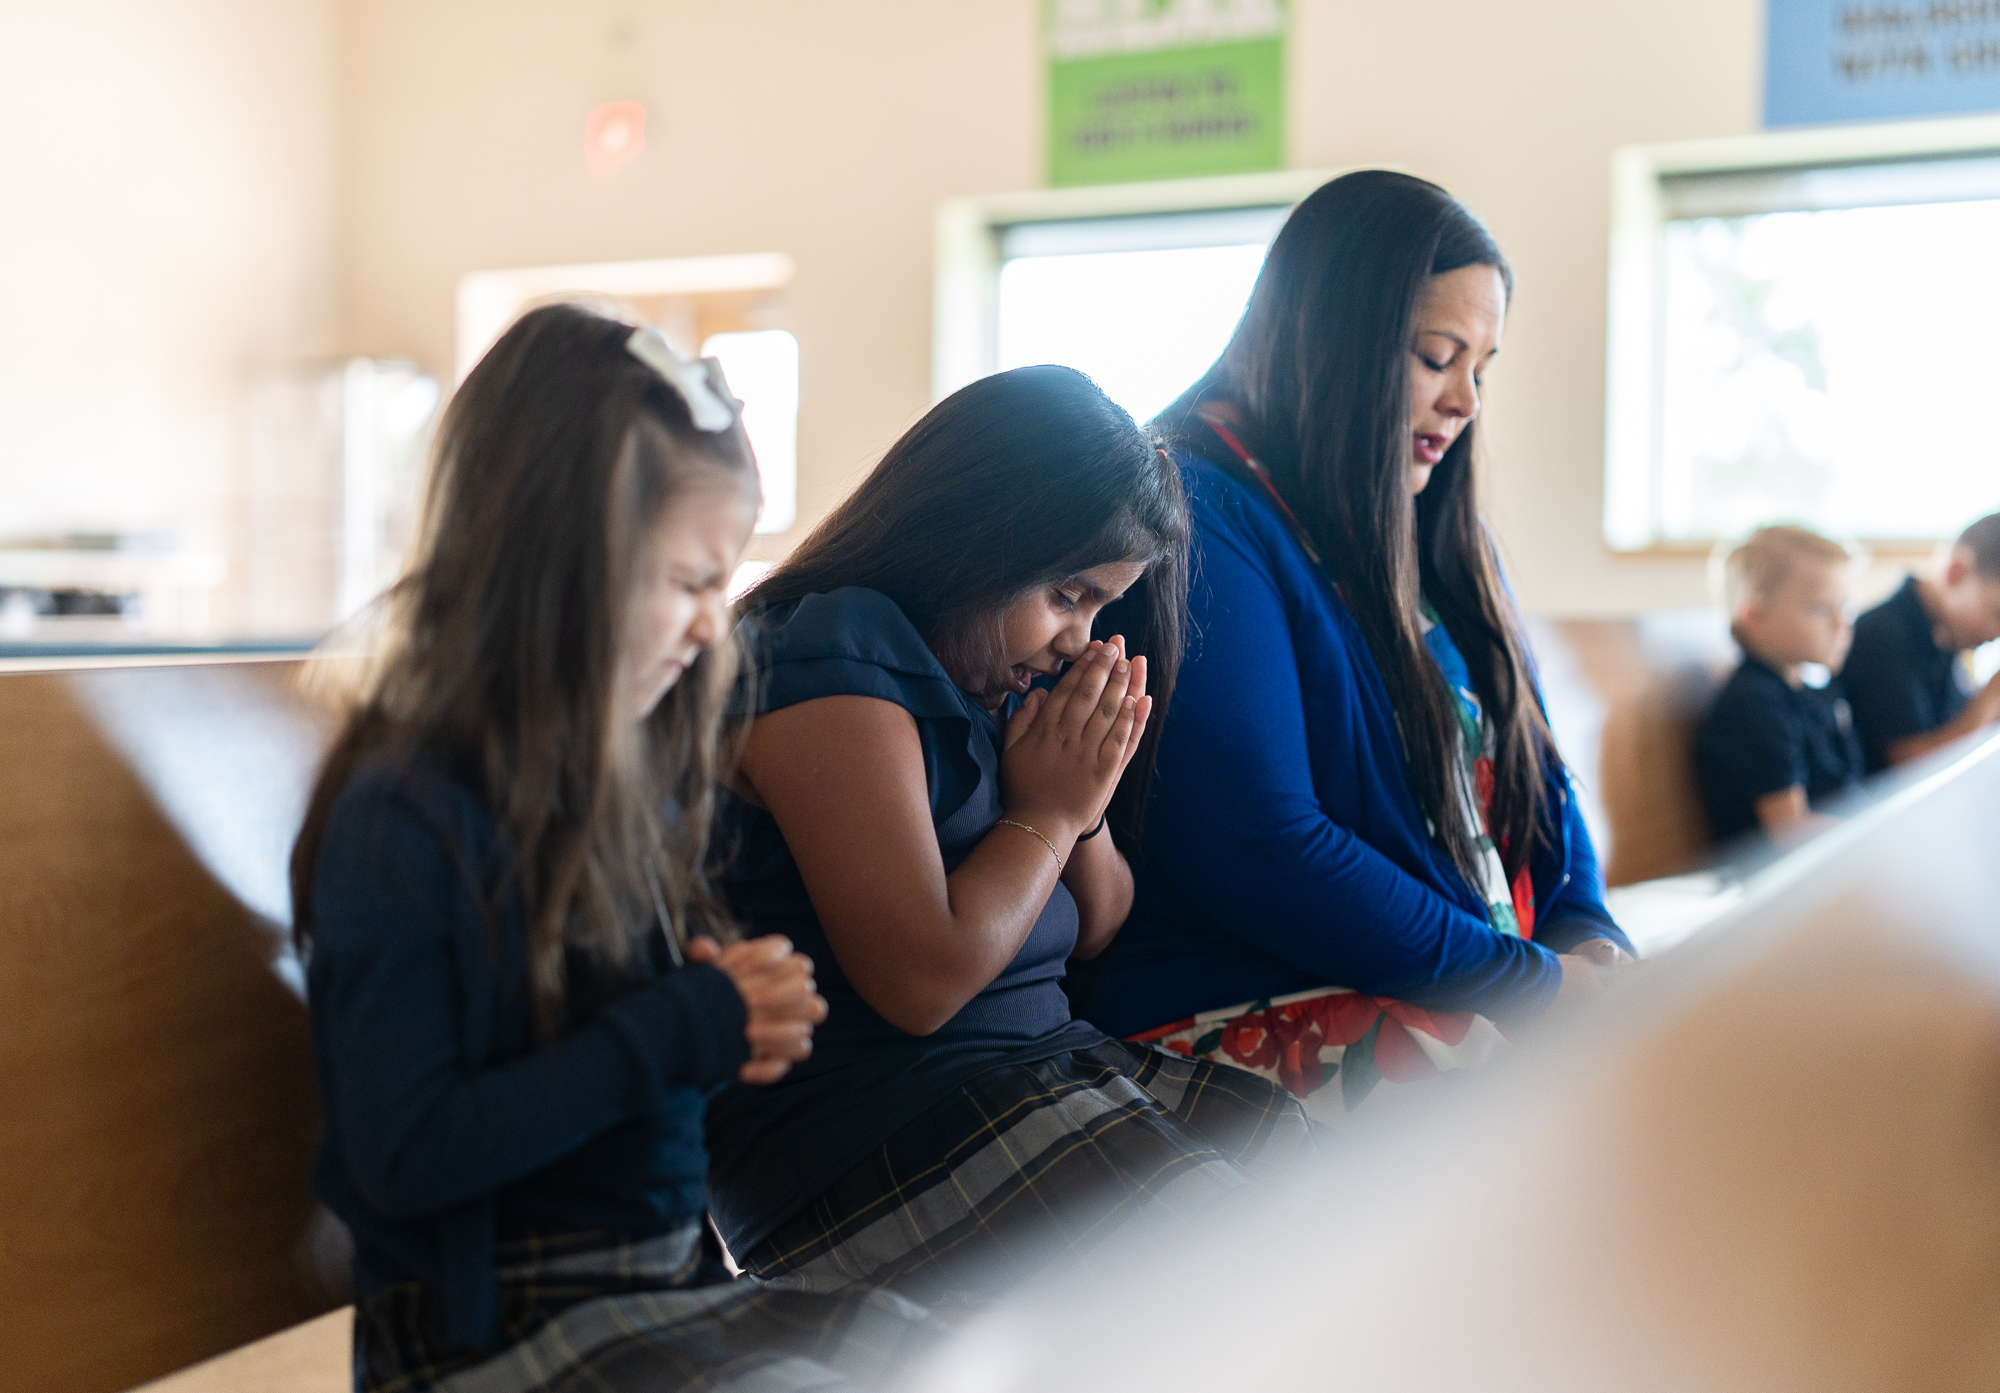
(519, 991)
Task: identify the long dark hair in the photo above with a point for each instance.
(1019, 481)
(557, 457)
(1319, 368)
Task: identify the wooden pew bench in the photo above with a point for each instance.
(1765, 1165)
(154, 1051)
(155, 1060)
(1624, 696)
(308, 1358)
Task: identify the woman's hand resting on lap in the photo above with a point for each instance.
(1065, 749)
(775, 981)
(1588, 966)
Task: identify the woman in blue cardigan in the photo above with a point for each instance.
(1361, 847)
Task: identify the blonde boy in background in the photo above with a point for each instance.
(1771, 748)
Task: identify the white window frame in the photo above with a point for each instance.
(1635, 308)
(490, 301)
(965, 291)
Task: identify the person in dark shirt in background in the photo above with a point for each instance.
(1905, 678)
(1771, 749)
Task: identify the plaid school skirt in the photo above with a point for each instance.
(1028, 1167)
(580, 1316)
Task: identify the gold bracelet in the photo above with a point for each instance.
(1009, 822)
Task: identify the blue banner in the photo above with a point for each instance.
(1844, 60)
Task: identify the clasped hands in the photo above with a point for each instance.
(775, 981)
(1065, 749)
(1588, 966)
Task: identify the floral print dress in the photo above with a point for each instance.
(1333, 1047)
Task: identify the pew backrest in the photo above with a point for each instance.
(155, 1062)
(1624, 697)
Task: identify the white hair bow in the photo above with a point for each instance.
(700, 384)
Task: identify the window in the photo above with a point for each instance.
(1142, 304)
(1805, 341)
(725, 307)
(762, 366)
(1138, 285)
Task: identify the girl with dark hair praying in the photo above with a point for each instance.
(518, 994)
(1361, 849)
(933, 802)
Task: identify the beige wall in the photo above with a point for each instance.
(832, 131)
(167, 226)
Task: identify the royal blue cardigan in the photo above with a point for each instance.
(1284, 847)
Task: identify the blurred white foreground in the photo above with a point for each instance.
(1770, 1160)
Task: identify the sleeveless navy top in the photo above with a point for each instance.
(774, 1149)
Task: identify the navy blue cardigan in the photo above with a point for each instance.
(445, 1125)
(1284, 847)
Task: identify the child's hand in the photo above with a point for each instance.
(1064, 752)
(775, 981)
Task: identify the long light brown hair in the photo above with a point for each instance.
(555, 461)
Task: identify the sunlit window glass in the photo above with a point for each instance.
(1831, 367)
(763, 370)
(1143, 305)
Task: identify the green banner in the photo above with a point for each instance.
(1163, 89)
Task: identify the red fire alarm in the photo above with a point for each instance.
(614, 132)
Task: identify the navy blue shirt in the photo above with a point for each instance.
(1899, 681)
(1284, 847)
(1761, 736)
(777, 1148)
(447, 1129)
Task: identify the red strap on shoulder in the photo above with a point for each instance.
(1262, 476)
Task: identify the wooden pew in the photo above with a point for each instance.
(310, 1358)
(155, 1063)
(154, 1053)
(1765, 1164)
(1624, 696)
